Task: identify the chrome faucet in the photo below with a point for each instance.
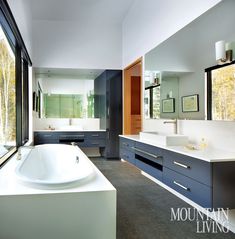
(174, 121)
(20, 149)
(70, 121)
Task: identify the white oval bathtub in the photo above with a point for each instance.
(54, 165)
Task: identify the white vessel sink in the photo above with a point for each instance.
(164, 139)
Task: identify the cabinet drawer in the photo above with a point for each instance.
(197, 192)
(96, 135)
(45, 138)
(149, 152)
(127, 155)
(126, 143)
(152, 170)
(95, 143)
(191, 167)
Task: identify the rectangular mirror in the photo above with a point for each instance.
(175, 68)
(66, 93)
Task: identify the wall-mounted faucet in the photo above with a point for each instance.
(70, 121)
(174, 121)
(19, 154)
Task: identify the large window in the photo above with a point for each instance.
(221, 92)
(7, 96)
(14, 62)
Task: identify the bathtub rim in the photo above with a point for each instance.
(42, 184)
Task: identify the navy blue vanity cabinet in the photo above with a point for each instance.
(126, 150)
(82, 138)
(194, 168)
(108, 108)
(96, 139)
(149, 159)
(45, 138)
(189, 176)
(190, 188)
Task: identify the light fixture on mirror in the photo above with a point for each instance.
(222, 54)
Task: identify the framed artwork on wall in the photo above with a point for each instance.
(168, 105)
(190, 103)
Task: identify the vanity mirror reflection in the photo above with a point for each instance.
(66, 93)
(174, 71)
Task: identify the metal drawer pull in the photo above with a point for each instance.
(180, 185)
(47, 135)
(147, 153)
(125, 144)
(95, 135)
(80, 135)
(181, 165)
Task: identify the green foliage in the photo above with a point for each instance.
(7, 95)
(223, 93)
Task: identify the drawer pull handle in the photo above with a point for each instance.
(46, 135)
(147, 153)
(125, 144)
(95, 135)
(80, 135)
(181, 165)
(180, 185)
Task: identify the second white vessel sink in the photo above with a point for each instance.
(164, 139)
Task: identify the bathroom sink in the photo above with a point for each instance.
(164, 139)
(71, 128)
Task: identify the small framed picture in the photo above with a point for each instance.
(168, 105)
(190, 103)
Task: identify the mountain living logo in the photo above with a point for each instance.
(206, 222)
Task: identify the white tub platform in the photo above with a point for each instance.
(85, 211)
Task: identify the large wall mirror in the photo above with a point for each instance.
(175, 70)
(65, 93)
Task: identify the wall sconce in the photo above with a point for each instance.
(222, 55)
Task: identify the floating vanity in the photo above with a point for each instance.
(204, 176)
(83, 138)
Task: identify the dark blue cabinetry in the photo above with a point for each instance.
(192, 189)
(82, 138)
(209, 184)
(108, 108)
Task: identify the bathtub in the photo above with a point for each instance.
(50, 166)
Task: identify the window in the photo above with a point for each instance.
(7, 96)
(221, 92)
(14, 62)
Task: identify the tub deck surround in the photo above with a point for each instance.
(205, 177)
(208, 154)
(86, 210)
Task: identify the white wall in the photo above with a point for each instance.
(71, 44)
(66, 85)
(148, 23)
(23, 17)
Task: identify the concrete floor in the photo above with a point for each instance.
(144, 208)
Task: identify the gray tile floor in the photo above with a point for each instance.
(143, 207)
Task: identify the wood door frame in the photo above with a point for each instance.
(127, 96)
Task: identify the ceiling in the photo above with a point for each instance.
(109, 11)
(61, 73)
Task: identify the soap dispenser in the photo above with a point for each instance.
(203, 144)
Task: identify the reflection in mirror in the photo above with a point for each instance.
(178, 64)
(66, 93)
(221, 92)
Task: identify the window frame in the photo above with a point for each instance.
(208, 72)
(15, 39)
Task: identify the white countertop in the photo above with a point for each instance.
(208, 154)
(64, 130)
